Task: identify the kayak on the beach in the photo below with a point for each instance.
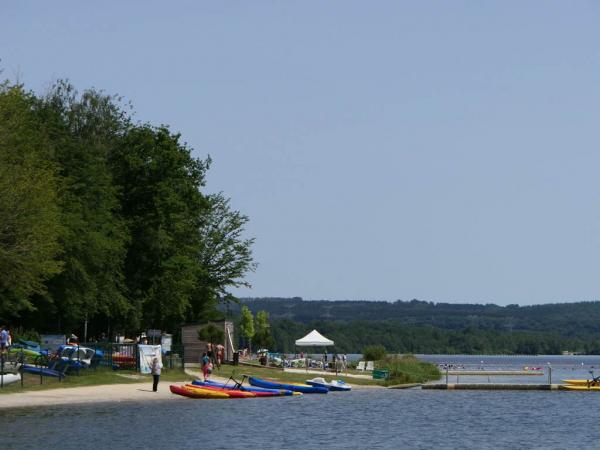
(231, 392)
(197, 393)
(333, 385)
(304, 388)
(256, 390)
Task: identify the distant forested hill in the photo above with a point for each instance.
(427, 327)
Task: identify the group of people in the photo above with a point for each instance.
(210, 358)
(339, 362)
(5, 340)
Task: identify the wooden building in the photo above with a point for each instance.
(194, 348)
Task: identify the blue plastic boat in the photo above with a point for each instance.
(304, 388)
(243, 388)
(29, 368)
(334, 385)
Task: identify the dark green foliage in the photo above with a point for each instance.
(262, 333)
(408, 369)
(86, 130)
(105, 221)
(162, 206)
(224, 255)
(425, 327)
(374, 352)
(211, 333)
(246, 325)
(29, 211)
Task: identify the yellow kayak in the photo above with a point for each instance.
(231, 393)
(581, 382)
(571, 387)
(197, 393)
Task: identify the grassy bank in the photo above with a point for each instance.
(408, 369)
(238, 371)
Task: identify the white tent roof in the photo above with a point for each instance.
(314, 338)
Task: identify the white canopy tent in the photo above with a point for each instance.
(313, 339)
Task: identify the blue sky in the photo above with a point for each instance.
(446, 151)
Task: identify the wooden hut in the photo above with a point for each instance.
(193, 347)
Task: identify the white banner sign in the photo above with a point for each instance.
(147, 354)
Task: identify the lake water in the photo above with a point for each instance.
(368, 418)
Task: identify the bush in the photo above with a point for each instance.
(409, 369)
(374, 352)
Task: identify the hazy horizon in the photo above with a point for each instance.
(439, 151)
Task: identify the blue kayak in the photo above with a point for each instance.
(242, 388)
(304, 388)
(41, 370)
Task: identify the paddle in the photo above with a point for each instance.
(594, 381)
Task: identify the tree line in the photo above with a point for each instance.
(106, 220)
(425, 327)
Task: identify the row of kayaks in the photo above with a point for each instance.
(258, 388)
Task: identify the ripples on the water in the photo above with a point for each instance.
(368, 419)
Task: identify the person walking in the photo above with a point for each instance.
(155, 369)
(4, 340)
(205, 361)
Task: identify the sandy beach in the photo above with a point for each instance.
(105, 393)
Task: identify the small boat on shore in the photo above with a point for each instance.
(296, 387)
(333, 385)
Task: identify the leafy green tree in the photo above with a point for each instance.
(161, 203)
(262, 335)
(247, 325)
(212, 334)
(86, 128)
(225, 257)
(29, 212)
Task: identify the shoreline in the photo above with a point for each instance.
(107, 393)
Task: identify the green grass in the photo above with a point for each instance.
(408, 369)
(237, 371)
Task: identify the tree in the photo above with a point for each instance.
(161, 203)
(86, 129)
(225, 257)
(247, 325)
(212, 334)
(29, 212)
(262, 335)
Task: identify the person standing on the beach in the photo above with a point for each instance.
(155, 369)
